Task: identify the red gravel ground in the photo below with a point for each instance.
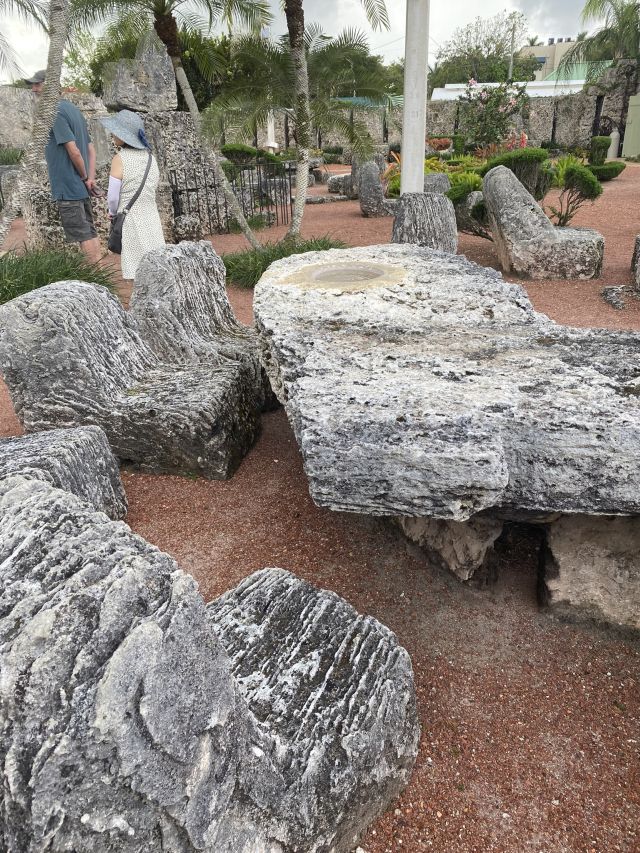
(530, 727)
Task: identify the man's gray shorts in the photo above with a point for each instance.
(77, 220)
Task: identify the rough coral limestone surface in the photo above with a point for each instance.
(420, 384)
(71, 356)
(132, 722)
(77, 460)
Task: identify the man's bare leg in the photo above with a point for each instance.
(92, 249)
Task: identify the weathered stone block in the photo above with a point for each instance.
(438, 182)
(146, 84)
(17, 108)
(180, 304)
(426, 219)
(593, 569)
(371, 194)
(461, 547)
(129, 727)
(420, 384)
(77, 460)
(466, 216)
(71, 356)
(528, 243)
(336, 183)
(635, 264)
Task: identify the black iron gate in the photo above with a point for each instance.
(262, 189)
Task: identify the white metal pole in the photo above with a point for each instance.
(414, 121)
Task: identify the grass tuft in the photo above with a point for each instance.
(22, 273)
(245, 268)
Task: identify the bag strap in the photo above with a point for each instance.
(139, 190)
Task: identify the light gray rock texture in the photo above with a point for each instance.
(137, 720)
(420, 384)
(592, 569)
(437, 182)
(635, 264)
(370, 192)
(145, 84)
(78, 460)
(71, 356)
(467, 222)
(461, 547)
(336, 183)
(180, 305)
(426, 219)
(528, 243)
(187, 226)
(17, 108)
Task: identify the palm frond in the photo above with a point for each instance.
(29, 11)
(376, 12)
(8, 59)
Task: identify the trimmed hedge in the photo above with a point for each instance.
(598, 150)
(529, 165)
(238, 153)
(608, 171)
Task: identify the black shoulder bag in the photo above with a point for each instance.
(114, 243)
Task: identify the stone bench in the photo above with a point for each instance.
(528, 243)
(71, 356)
(77, 460)
(425, 387)
(180, 305)
(139, 720)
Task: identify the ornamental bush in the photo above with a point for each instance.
(608, 171)
(530, 165)
(238, 153)
(598, 150)
(491, 109)
(580, 186)
(24, 272)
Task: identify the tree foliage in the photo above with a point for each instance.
(618, 38)
(30, 11)
(481, 51)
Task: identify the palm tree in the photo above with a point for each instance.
(533, 41)
(45, 113)
(29, 11)
(268, 82)
(167, 16)
(618, 38)
(294, 12)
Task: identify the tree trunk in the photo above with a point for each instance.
(295, 25)
(167, 30)
(45, 114)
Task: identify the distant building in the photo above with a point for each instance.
(549, 56)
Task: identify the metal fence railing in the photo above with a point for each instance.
(262, 188)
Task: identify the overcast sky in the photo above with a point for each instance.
(546, 17)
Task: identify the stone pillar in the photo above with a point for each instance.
(426, 219)
(415, 96)
(614, 148)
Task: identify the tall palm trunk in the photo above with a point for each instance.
(167, 29)
(45, 114)
(295, 25)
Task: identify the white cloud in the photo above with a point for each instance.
(553, 18)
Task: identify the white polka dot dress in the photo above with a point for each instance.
(142, 230)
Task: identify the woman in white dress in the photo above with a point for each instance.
(142, 230)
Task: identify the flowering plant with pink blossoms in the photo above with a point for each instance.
(491, 108)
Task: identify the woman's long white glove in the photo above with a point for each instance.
(113, 195)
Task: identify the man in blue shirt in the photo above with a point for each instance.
(71, 162)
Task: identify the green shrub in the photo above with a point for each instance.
(393, 186)
(10, 156)
(335, 149)
(239, 153)
(245, 268)
(528, 165)
(463, 183)
(22, 273)
(560, 168)
(458, 144)
(331, 158)
(580, 185)
(598, 151)
(608, 171)
(230, 169)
